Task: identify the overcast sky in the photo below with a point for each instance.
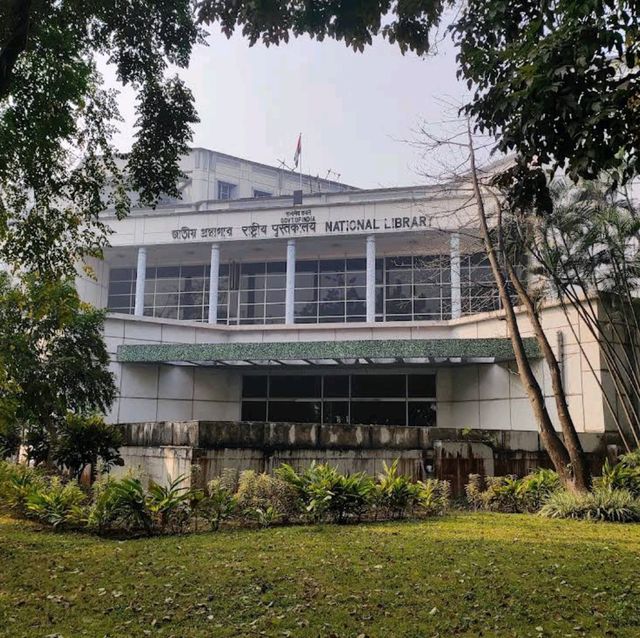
(354, 109)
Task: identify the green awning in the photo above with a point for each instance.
(376, 352)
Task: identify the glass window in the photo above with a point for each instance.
(306, 294)
(407, 288)
(357, 294)
(421, 413)
(254, 386)
(226, 190)
(274, 310)
(331, 294)
(335, 412)
(191, 313)
(336, 385)
(357, 399)
(122, 274)
(276, 296)
(295, 411)
(306, 310)
(295, 386)
(121, 288)
(356, 309)
(356, 264)
(378, 385)
(421, 385)
(257, 193)
(254, 411)
(332, 265)
(332, 310)
(378, 412)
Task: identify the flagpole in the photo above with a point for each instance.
(300, 160)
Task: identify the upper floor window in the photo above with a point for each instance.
(226, 190)
(257, 193)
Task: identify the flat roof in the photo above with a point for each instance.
(320, 353)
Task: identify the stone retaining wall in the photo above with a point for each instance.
(166, 450)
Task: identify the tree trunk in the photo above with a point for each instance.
(550, 439)
(581, 473)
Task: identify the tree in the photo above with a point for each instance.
(54, 356)
(58, 169)
(587, 252)
(409, 24)
(557, 82)
(483, 213)
(84, 441)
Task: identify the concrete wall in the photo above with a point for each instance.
(164, 451)
(92, 282)
(205, 168)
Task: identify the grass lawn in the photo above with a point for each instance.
(462, 575)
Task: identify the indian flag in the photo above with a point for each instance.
(296, 157)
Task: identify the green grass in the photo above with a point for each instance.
(463, 575)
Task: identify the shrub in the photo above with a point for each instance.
(624, 475)
(535, 488)
(510, 494)
(17, 483)
(103, 510)
(495, 493)
(350, 497)
(262, 491)
(85, 440)
(474, 491)
(218, 504)
(434, 496)
(168, 504)
(58, 503)
(395, 493)
(618, 506)
(327, 494)
(266, 517)
(126, 505)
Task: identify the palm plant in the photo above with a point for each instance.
(168, 504)
(129, 504)
(588, 252)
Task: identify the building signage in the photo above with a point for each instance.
(300, 223)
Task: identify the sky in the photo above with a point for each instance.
(355, 111)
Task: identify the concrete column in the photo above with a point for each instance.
(141, 273)
(371, 279)
(213, 283)
(456, 299)
(291, 281)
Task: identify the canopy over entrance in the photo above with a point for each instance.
(327, 353)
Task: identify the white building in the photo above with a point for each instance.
(357, 326)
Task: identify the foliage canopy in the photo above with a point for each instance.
(558, 82)
(53, 354)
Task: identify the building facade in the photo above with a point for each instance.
(355, 326)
